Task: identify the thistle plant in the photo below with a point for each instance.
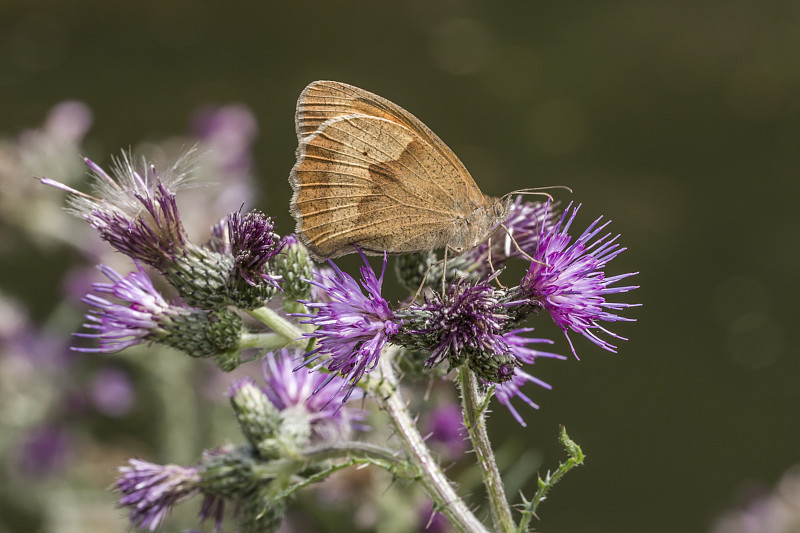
(332, 347)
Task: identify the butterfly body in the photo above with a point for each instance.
(369, 174)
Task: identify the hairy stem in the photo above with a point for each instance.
(280, 325)
(363, 452)
(475, 422)
(386, 393)
(264, 341)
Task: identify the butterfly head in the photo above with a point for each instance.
(475, 228)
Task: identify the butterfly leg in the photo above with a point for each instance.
(444, 271)
(520, 250)
(491, 266)
(422, 283)
(424, 279)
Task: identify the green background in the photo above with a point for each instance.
(678, 120)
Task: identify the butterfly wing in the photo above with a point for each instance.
(438, 191)
(323, 100)
(371, 182)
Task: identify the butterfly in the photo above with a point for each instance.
(371, 176)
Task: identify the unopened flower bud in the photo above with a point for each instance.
(492, 367)
(200, 276)
(202, 333)
(294, 266)
(258, 418)
(227, 473)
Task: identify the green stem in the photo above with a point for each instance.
(575, 458)
(476, 426)
(387, 394)
(280, 325)
(265, 341)
(363, 452)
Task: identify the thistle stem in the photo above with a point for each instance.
(363, 452)
(387, 394)
(475, 423)
(264, 341)
(280, 325)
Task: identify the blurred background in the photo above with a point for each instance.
(678, 120)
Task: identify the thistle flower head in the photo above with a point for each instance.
(251, 240)
(353, 327)
(135, 210)
(466, 326)
(150, 491)
(120, 325)
(145, 316)
(318, 394)
(567, 279)
(134, 207)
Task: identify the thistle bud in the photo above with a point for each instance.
(200, 276)
(294, 267)
(202, 333)
(227, 473)
(492, 367)
(258, 418)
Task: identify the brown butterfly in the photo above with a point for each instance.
(369, 174)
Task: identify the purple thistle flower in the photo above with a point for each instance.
(145, 316)
(352, 327)
(252, 242)
(135, 210)
(568, 281)
(316, 392)
(469, 318)
(119, 326)
(150, 491)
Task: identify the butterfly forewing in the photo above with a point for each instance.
(374, 183)
(323, 100)
(370, 174)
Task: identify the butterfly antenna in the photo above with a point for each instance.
(537, 191)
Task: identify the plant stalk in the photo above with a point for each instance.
(280, 325)
(475, 422)
(387, 394)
